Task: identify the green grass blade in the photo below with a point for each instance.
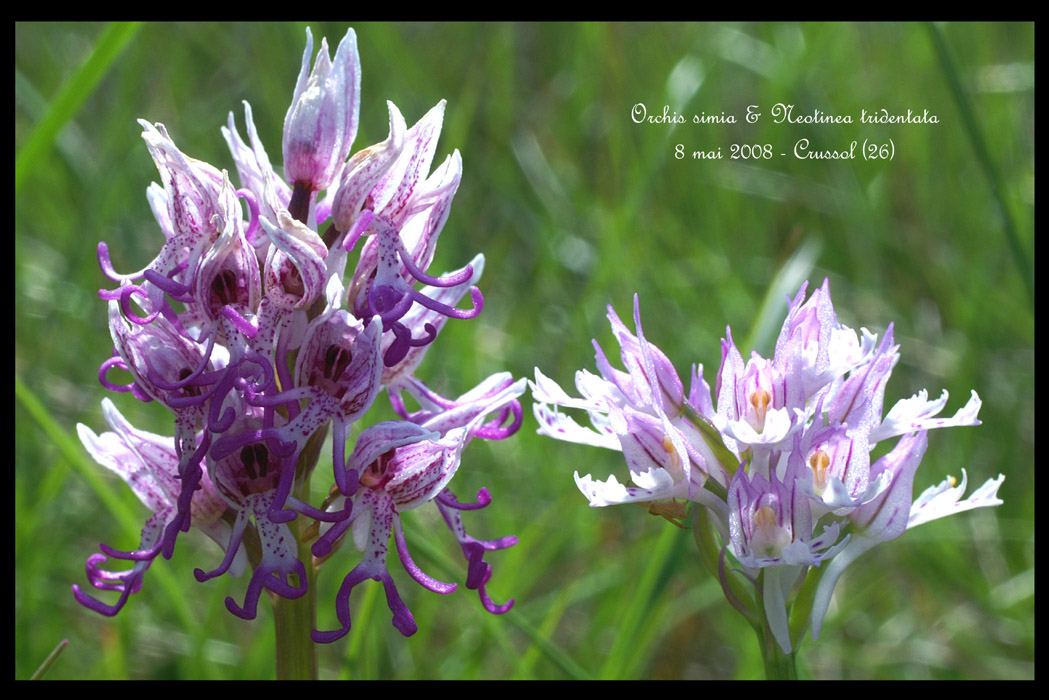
(984, 156)
(50, 661)
(71, 96)
(785, 284)
(70, 449)
(635, 613)
(544, 632)
(551, 650)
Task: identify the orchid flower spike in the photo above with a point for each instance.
(237, 327)
(778, 461)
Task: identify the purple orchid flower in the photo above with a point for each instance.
(402, 466)
(149, 465)
(249, 480)
(404, 214)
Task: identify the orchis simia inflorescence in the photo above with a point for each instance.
(246, 327)
(779, 469)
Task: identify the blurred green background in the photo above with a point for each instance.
(575, 206)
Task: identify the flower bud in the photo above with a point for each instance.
(321, 123)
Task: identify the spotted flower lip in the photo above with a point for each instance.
(343, 362)
(249, 480)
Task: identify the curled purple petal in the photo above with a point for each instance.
(448, 498)
(487, 601)
(451, 312)
(413, 569)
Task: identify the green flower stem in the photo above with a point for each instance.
(735, 591)
(801, 610)
(778, 665)
(294, 620)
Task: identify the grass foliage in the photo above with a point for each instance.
(575, 206)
